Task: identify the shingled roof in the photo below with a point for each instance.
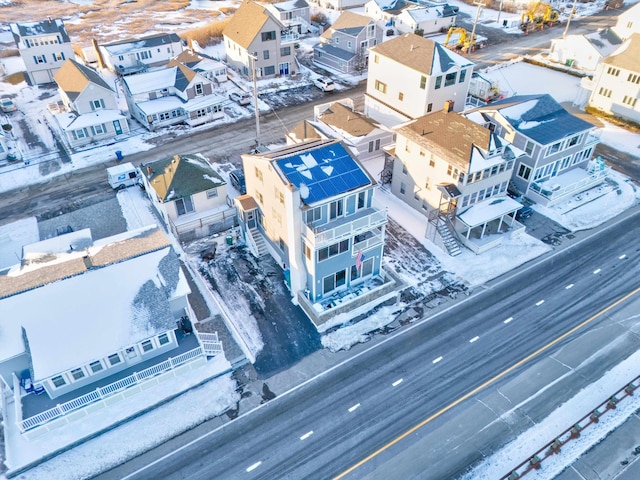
(348, 23)
(74, 77)
(421, 54)
(449, 135)
(246, 23)
(181, 176)
(343, 118)
(44, 27)
(627, 56)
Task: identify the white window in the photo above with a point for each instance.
(98, 129)
(96, 366)
(77, 373)
(147, 346)
(97, 104)
(58, 381)
(335, 209)
(114, 359)
(163, 339)
(199, 89)
(184, 205)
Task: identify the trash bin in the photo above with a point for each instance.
(229, 240)
(570, 62)
(119, 155)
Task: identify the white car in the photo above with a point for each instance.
(324, 84)
(7, 105)
(241, 98)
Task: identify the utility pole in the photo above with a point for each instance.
(254, 59)
(475, 22)
(499, 12)
(573, 10)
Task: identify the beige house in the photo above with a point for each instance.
(456, 173)
(255, 38)
(189, 195)
(410, 76)
(91, 110)
(616, 83)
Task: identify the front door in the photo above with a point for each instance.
(117, 127)
(251, 219)
(284, 68)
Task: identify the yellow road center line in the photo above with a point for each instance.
(487, 383)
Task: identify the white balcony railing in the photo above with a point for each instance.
(108, 390)
(594, 177)
(367, 244)
(322, 236)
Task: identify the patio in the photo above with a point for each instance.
(33, 404)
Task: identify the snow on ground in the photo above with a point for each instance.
(569, 413)
(190, 409)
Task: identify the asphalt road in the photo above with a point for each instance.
(334, 421)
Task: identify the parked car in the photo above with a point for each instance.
(237, 180)
(7, 105)
(524, 213)
(241, 98)
(324, 84)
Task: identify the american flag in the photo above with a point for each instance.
(359, 259)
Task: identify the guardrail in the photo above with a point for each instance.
(554, 446)
(108, 390)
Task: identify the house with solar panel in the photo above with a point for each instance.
(256, 39)
(309, 206)
(410, 76)
(172, 95)
(189, 195)
(43, 47)
(558, 146)
(135, 55)
(91, 112)
(344, 46)
(456, 172)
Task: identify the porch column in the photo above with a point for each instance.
(468, 232)
(500, 223)
(484, 227)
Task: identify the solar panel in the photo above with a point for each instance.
(324, 172)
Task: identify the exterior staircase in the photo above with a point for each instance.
(257, 243)
(448, 238)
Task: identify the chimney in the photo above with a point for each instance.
(50, 20)
(101, 63)
(149, 171)
(176, 159)
(448, 106)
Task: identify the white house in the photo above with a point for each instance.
(81, 316)
(171, 95)
(344, 46)
(410, 76)
(585, 51)
(616, 84)
(43, 47)
(135, 55)
(340, 5)
(628, 22)
(189, 195)
(294, 14)
(339, 120)
(256, 39)
(91, 110)
(407, 17)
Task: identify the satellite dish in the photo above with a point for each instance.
(304, 191)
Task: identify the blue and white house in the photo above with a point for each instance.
(310, 206)
(558, 146)
(84, 320)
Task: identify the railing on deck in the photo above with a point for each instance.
(320, 237)
(101, 393)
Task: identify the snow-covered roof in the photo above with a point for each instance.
(539, 117)
(72, 121)
(44, 27)
(488, 209)
(159, 105)
(97, 312)
(133, 44)
(150, 81)
(13, 236)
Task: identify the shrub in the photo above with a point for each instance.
(206, 35)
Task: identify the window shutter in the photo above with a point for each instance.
(35, 59)
(62, 54)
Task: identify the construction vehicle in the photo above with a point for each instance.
(463, 42)
(538, 16)
(484, 88)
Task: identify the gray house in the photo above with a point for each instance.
(345, 45)
(558, 146)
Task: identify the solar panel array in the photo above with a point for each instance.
(323, 173)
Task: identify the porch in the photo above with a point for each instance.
(38, 409)
(483, 225)
(344, 227)
(555, 189)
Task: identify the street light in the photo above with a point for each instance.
(475, 22)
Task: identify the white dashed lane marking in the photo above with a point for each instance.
(569, 286)
(353, 409)
(508, 320)
(396, 383)
(623, 256)
(437, 360)
(254, 466)
(306, 435)
(596, 271)
(474, 339)
(539, 303)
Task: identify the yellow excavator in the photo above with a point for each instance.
(464, 40)
(538, 16)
